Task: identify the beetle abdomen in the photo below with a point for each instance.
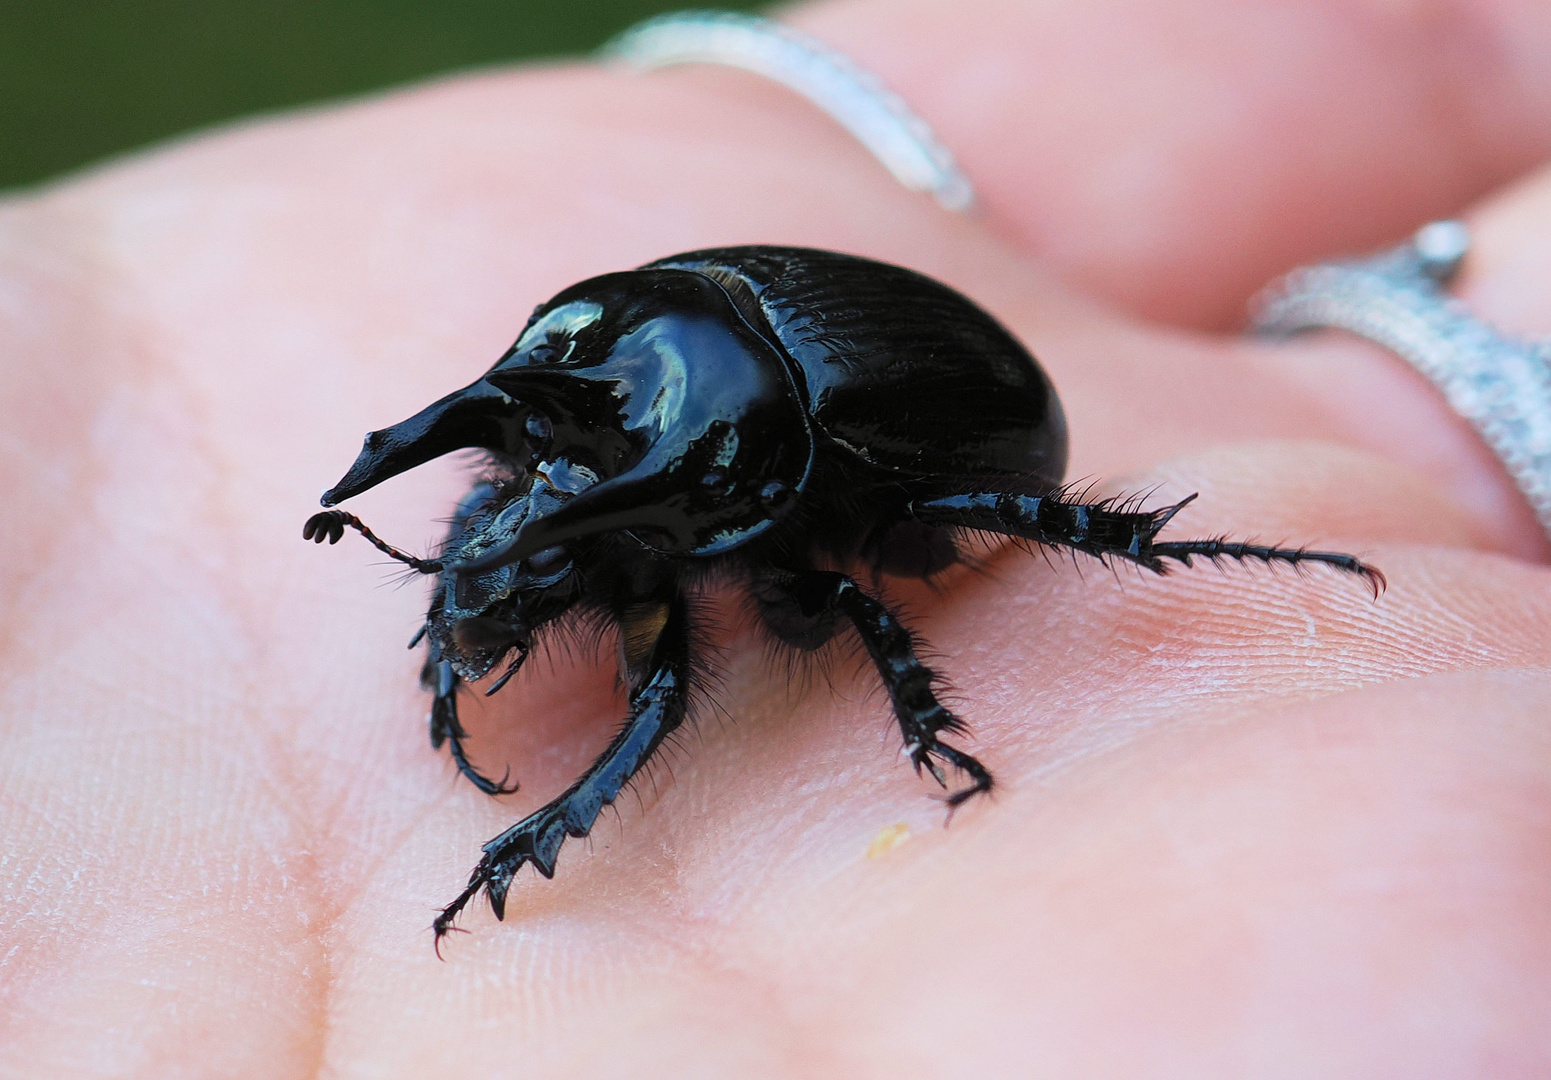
(901, 370)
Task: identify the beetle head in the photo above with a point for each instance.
(645, 402)
(477, 617)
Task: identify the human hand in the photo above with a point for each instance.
(1248, 823)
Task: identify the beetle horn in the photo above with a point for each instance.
(561, 392)
(479, 415)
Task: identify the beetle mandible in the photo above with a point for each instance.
(768, 416)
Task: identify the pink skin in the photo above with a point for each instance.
(1250, 824)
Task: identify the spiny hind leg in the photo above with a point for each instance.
(1114, 529)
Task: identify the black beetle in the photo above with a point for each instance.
(767, 416)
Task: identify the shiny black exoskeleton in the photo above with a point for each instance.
(769, 417)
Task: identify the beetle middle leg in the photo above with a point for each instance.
(803, 609)
(659, 701)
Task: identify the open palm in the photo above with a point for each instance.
(1248, 823)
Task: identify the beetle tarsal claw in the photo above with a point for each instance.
(442, 925)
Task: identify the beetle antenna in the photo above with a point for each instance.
(330, 525)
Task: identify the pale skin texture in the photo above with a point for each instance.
(1249, 823)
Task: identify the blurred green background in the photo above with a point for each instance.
(82, 79)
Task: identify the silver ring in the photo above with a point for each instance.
(1500, 384)
(853, 96)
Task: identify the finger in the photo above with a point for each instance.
(1506, 279)
(520, 185)
(1377, 400)
(1174, 158)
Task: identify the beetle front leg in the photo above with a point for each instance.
(438, 677)
(818, 597)
(1114, 529)
(658, 705)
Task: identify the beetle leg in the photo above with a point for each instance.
(820, 596)
(657, 706)
(438, 677)
(1113, 529)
